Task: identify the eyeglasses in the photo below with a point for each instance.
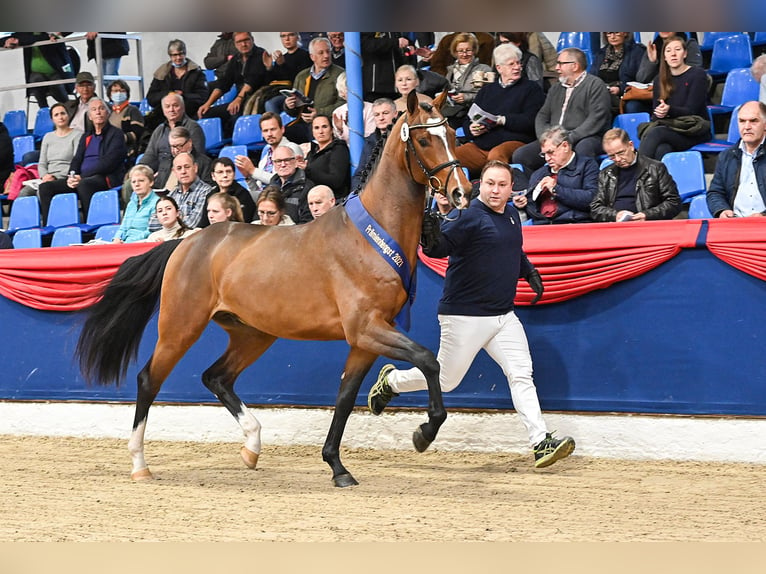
(560, 63)
(267, 213)
(335, 36)
(544, 154)
(468, 51)
(617, 154)
(284, 161)
(179, 145)
(177, 54)
(288, 35)
(244, 41)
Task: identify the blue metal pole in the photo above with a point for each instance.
(355, 96)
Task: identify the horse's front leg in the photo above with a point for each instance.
(357, 366)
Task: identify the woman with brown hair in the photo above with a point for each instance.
(271, 208)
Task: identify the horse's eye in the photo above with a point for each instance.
(423, 141)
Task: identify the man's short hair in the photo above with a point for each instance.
(556, 134)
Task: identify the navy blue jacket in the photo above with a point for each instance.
(576, 186)
(112, 154)
(631, 61)
(723, 187)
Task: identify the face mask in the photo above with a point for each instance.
(179, 65)
(119, 97)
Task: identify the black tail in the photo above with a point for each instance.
(114, 326)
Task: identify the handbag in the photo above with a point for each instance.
(636, 93)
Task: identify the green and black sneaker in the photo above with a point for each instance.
(550, 449)
(381, 393)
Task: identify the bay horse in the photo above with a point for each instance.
(341, 288)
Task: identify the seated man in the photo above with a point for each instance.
(579, 102)
(738, 188)
(98, 163)
(634, 187)
(562, 190)
(384, 114)
(320, 199)
(190, 194)
(291, 181)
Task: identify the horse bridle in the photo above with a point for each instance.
(435, 184)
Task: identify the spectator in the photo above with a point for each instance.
(57, 150)
(125, 116)
(320, 199)
(171, 221)
(190, 193)
(180, 141)
(98, 164)
(579, 103)
(223, 207)
(223, 176)
(293, 183)
(158, 152)
(406, 79)
(384, 114)
(562, 190)
(143, 202)
(738, 188)
(219, 55)
(466, 75)
(634, 187)
(317, 83)
(442, 56)
(476, 310)
(112, 51)
(679, 120)
(179, 75)
(85, 86)
(531, 66)
(617, 64)
(286, 66)
(6, 154)
(337, 39)
(272, 209)
(649, 68)
(516, 100)
(328, 160)
(382, 54)
(541, 46)
(273, 132)
(340, 114)
(44, 64)
(247, 71)
(757, 70)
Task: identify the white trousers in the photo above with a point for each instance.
(504, 339)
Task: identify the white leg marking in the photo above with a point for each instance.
(251, 427)
(136, 447)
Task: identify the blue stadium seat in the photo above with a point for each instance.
(43, 123)
(739, 87)
(698, 208)
(27, 238)
(286, 118)
(715, 145)
(688, 171)
(65, 236)
(730, 53)
(629, 122)
(63, 212)
(576, 40)
(209, 75)
(213, 130)
(144, 107)
(107, 232)
(232, 151)
(606, 162)
(247, 132)
(708, 39)
(21, 146)
(104, 209)
(227, 97)
(16, 123)
(25, 214)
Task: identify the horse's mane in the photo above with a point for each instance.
(372, 163)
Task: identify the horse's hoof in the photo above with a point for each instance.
(344, 480)
(421, 443)
(249, 457)
(143, 474)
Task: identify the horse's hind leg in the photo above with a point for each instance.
(246, 344)
(358, 364)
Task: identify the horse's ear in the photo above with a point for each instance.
(440, 99)
(412, 102)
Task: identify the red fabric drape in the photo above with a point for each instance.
(740, 242)
(62, 278)
(579, 258)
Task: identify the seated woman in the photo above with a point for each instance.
(340, 114)
(56, 150)
(680, 118)
(223, 176)
(143, 201)
(173, 226)
(328, 160)
(617, 64)
(406, 80)
(271, 208)
(125, 116)
(464, 76)
(223, 207)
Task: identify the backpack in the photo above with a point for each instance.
(17, 178)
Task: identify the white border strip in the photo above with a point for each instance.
(648, 437)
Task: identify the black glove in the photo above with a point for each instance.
(536, 283)
(431, 231)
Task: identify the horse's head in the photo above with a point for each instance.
(430, 150)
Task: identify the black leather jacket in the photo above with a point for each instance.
(656, 192)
